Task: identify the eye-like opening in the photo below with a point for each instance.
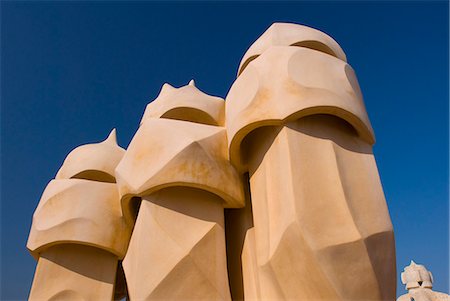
(190, 114)
(310, 44)
(95, 175)
(315, 45)
(420, 283)
(245, 64)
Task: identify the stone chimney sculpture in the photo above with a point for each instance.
(273, 194)
(78, 232)
(297, 124)
(419, 283)
(178, 163)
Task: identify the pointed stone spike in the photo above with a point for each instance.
(112, 137)
(192, 83)
(413, 263)
(167, 87)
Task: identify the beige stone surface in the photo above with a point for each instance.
(319, 214)
(79, 212)
(178, 164)
(186, 103)
(74, 272)
(297, 123)
(78, 232)
(273, 195)
(287, 83)
(288, 34)
(177, 251)
(95, 161)
(167, 152)
(250, 272)
(419, 283)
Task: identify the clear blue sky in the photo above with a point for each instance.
(71, 71)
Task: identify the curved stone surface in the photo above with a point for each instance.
(186, 103)
(318, 228)
(319, 209)
(177, 251)
(79, 212)
(287, 83)
(95, 161)
(166, 153)
(251, 283)
(75, 273)
(288, 34)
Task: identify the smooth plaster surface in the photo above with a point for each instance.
(296, 203)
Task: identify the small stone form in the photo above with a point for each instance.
(289, 155)
(419, 284)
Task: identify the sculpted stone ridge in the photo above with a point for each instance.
(314, 212)
(287, 34)
(167, 153)
(288, 83)
(186, 227)
(186, 103)
(95, 161)
(74, 272)
(83, 212)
